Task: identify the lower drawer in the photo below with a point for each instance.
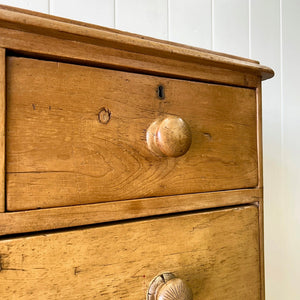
(215, 252)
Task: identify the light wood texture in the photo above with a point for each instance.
(69, 40)
(167, 286)
(62, 217)
(2, 128)
(216, 253)
(260, 205)
(58, 153)
(259, 136)
(170, 136)
(260, 185)
(76, 147)
(61, 49)
(112, 30)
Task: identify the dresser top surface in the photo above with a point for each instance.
(34, 22)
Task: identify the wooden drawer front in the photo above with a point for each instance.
(216, 253)
(58, 153)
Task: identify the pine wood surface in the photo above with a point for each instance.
(260, 185)
(259, 135)
(260, 205)
(42, 24)
(63, 49)
(58, 153)
(70, 216)
(2, 128)
(116, 31)
(216, 253)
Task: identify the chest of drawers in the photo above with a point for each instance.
(131, 168)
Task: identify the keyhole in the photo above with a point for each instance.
(161, 92)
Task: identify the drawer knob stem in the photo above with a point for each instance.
(169, 136)
(167, 286)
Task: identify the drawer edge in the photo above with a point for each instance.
(72, 216)
(2, 127)
(215, 252)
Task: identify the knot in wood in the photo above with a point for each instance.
(104, 115)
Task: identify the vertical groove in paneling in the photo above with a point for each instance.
(250, 29)
(169, 18)
(213, 24)
(100, 12)
(291, 145)
(35, 5)
(115, 13)
(231, 27)
(190, 22)
(265, 45)
(143, 17)
(281, 81)
(273, 290)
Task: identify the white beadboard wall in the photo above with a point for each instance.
(266, 30)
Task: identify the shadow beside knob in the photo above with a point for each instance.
(169, 136)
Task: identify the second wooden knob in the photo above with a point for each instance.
(167, 286)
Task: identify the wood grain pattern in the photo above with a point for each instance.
(259, 136)
(60, 49)
(219, 261)
(58, 153)
(96, 35)
(261, 247)
(76, 135)
(70, 216)
(2, 128)
(260, 185)
(170, 136)
(116, 31)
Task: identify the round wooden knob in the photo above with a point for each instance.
(169, 136)
(168, 287)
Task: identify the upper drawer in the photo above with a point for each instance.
(59, 152)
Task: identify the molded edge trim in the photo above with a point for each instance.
(79, 215)
(77, 31)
